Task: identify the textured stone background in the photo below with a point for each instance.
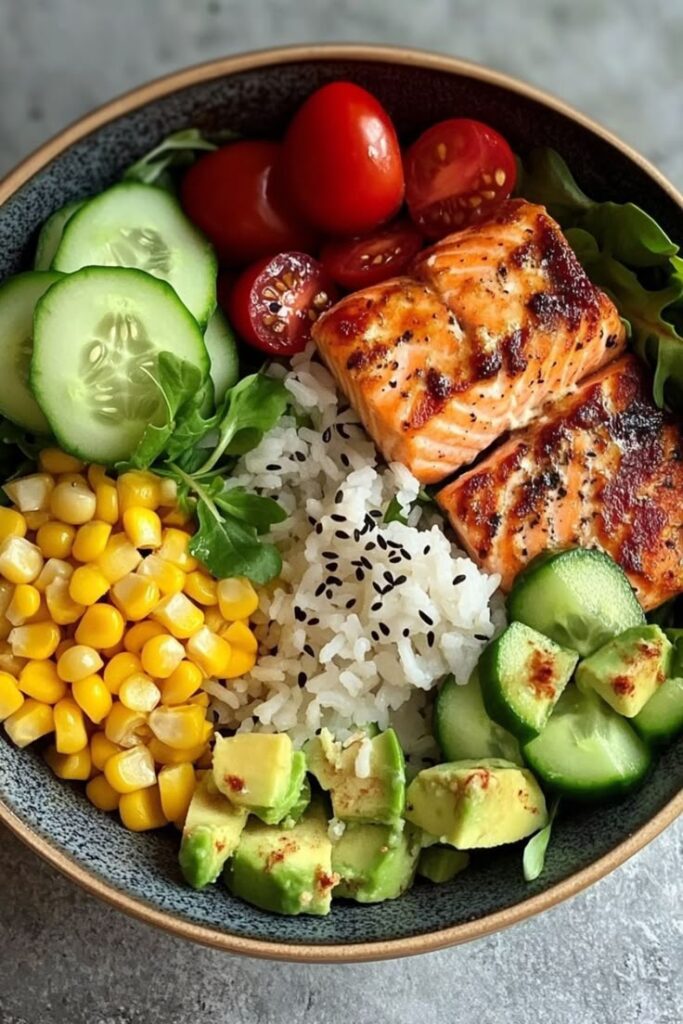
(613, 955)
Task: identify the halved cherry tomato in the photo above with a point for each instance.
(274, 303)
(233, 196)
(457, 172)
(342, 161)
(369, 259)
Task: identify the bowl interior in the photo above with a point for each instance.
(259, 102)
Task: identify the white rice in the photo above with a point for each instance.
(367, 616)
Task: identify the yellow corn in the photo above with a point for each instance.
(174, 549)
(97, 475)
(31, 493)
(10, 662)
(201, 588)
(139, 693)
(91, 540)
(75, 767)
(130, 770)
(111, 652)
(101, 794)
(119, 668)
(118, 558)
(53, 569)
(107, 502)
(211, 652)
(135, 596)
(92, 696)
(101, 749)
(73, 502)
(61, 606)
(142, 811)
(180, 727)
(70, 732)
(11, 697)
(138, 488)
(54, 460)
(169, 578)
(39, 679)
(101, 626)
(12, 523)
(125, 727)
(176, 785)
(241, 662)
(88, 584)
(177, 517)
(78, 662)
(163, 754)
(34, 520)
(36, 640)
(239, 635)
(79, 479)
(200, 699)
(161, 655)
(137, 636)
(24, 604)
(64, 645)
(43, 613)
(182, 683)
(179, 615)
(55, 539)
(237, 599)
(168, 491)
(20, 560)
(31, 721)
(143, 527)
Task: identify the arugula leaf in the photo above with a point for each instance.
(255, 404)
(259, 512)
(546, 179)
(177, 150)
(533, 858)
(228, 547)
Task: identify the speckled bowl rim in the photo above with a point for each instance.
(343, 952)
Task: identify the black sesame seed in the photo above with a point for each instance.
(393, 544)
(376, 587)
(350, 603)
(320, 589)
(400, 580)
(426, 618)
(381, 541)
(339, 497)
(329, 594)
(460, 578)
(480, 636)
(427, 549)
(311, 521)
(376, 606)
(329, 554)
(406, 554)
(327, 435)
(357, 535)
(302, 679)
(314, 621)
(299, 614)
(332, 566)
(300, 456)
(274, 467)
(370, 546)
(366, 561)
(430, 638)
(318, 528)
(406, 632)
(360, 575)
(375, 513)
(395, 559)
(341, 535)
(334, 581)
(336, 517)
(309, 651)
(375, 635)
(388, 576)
(384, 628)
(344, 459)
(341, 429)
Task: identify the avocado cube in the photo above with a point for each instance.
(442, 863)
(364, 776)
(211, 832)
(253, 769)
(295, 800)
(375, 862)
(629, 669)
(471, 804)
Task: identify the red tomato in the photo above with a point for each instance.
(457, 172)
(369, 259)
(231, 196)
(274, 302)
(342, 161)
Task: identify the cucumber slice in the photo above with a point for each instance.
(523, 674)
(587, 751)
(143, 227)
(222, 348)
(18, 298)
(579, 597)
(98, 333)
(463, 729)
(661, 720)
(51, 234)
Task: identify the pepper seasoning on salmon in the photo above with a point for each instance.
(494, 321)
(603, 468)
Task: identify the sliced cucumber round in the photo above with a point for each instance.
(98, 333)
(463, 729)
(18, 298)
(579, 597)
(661, 720)
(143, 227)
(222, 348)
(587, 751)
(51, 234)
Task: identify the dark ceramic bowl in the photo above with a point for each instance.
(256, 94)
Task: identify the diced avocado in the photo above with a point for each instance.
(212, 830)
(662, 717)
(296, 798)
(375, 862)
(470, 804)
(253, 769)
(523, 674)
(287, 871)
(442, 863)
(364, 776)
(629, 669)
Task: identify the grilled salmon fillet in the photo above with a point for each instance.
(491, 323)
(603, 468)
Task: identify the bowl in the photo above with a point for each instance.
(256, 94)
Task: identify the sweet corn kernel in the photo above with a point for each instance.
(135, 596)
(119, 668)
(34, 520)
(70, 732)
(73, 502)
(10, 662)
(54, 460)
(97, 475)
(55, 539)
(237, 599)
(125, 727)
(239, 635)
(78, 662)
(174, 549)
(36, 640)
(139, 693)
(91, 540)
(53, 569)
(88, 584)
(201, 588)
(11, 697)
(176, 785)
(169, 578)
(182, 683)
(111, 652)
(137, 636)
(130, 770)
(161, 655)
(200, 699)
(107, 503)
(25, 603)
(143, 527)
(64, 645)
(43, 613)
(20, 560)
(31, 493)
(12, 523)
(179, 615)
(177, 517)
(92, 696)
(75, 767)
(241, 662)
(101, 626)
(31, 721)
(215, 621)
(163, 754)
(180, 727)
(168, 491)
(101, 749)
(61, 605)
(138, 488)
(142, 811)
(209, 651)
(101, 794)
(39, 679)
(118, 558)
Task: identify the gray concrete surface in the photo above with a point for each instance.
(613, 955)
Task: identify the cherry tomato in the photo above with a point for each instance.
(274, 303)
(369, 259)
(233, 196)
(342, 162)
(457, 172)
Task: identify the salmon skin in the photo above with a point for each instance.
(492, 323)
(604, 468)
